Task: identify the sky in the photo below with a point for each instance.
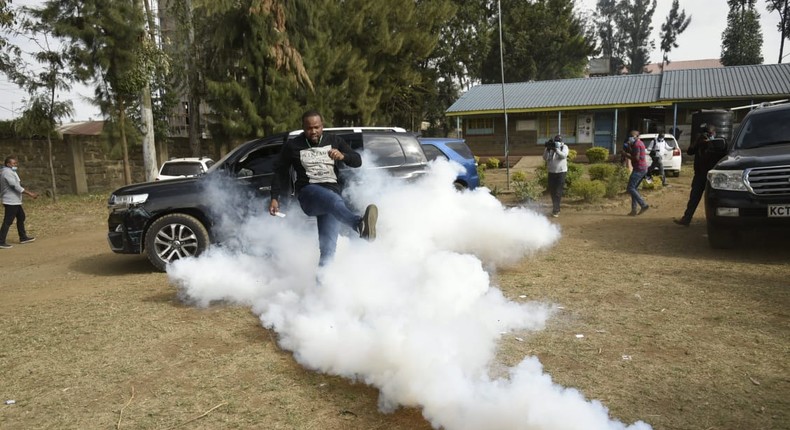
(416, 313)
(701, 40)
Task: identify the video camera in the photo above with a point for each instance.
(550, 144)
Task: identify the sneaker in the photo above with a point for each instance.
(648, 179)
(681, 221)
(5, 246)
(643, 210)
(367, 226)
(632, 213)
(27, 240)
(555, 214)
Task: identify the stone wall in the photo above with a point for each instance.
(83, 164)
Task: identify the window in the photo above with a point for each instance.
(386, 150)
(432, 152)
(480, 126)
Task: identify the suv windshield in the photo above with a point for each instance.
(764, 129)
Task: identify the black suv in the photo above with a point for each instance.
(749, 187)
(174, 219)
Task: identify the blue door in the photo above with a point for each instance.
(604, 130)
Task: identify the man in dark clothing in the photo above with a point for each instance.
(638, 155)
(315, 157)
(702, 165)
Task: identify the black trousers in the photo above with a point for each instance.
(13, 212)
(555, 186)
(697, 190)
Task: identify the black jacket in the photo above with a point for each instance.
(291, 157)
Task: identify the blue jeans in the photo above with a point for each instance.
(330, 210)
(633, 189)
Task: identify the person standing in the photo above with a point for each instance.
(657, 149)
(11, 192)
(556, 157)
(702, 165)
(316, 157)
(639, 164)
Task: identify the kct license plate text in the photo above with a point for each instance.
(779, 211)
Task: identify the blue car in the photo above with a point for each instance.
(457, 150)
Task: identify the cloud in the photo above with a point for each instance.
(415, 313)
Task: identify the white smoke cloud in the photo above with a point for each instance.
(414, 313)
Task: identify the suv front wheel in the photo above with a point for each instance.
(173, 237)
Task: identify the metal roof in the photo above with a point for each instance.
(628, 90)
(727, 82)
(82, 128)
(563, 93)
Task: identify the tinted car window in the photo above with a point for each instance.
(386, 150)
(412, 149)
(765, 129)
(432, 152)
(181, 169)
(260, 162)
(462, 149)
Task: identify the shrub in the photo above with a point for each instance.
(572, 153)
(525, 189)
(481, 173)
(542, 176)
(602, 172)
(575, 172)
(587, 190)
(597, 155)
(492, 163)
(655, 185)
(616, 183)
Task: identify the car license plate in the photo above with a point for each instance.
(779, 210)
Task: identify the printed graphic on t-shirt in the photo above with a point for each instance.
(317, 164)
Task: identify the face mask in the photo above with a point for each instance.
(632, 139)
(13, 168)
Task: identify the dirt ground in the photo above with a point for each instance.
(675, 333)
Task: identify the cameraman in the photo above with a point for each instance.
(556, 157)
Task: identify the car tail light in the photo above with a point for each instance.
(676, 152)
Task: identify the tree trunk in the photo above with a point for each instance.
(49, 146)
(127, 170)
(150, 165)
(192, 89)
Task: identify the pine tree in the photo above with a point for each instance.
(742, 40)
(542, 40)
(675, 24)
(635, 22)
(782, 8)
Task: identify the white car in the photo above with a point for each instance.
(184, 167)
(672, 158)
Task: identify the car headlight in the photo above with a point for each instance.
(126, 201)
(730, 180)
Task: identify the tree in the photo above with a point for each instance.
(781, 7)
(742, 40)
(634, 20)
(675, 24)
(542, 40)
(612, 44)
(107, 46)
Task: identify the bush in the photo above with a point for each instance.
(616, 183)
(542, 176)
(481, 173)
(572, 153)
(492, 163)
(575, 172)
(601, 172)
(526, 190)
(597, 155)
(656, 185)
(587, 190)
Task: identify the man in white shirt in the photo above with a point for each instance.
(11, 192)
